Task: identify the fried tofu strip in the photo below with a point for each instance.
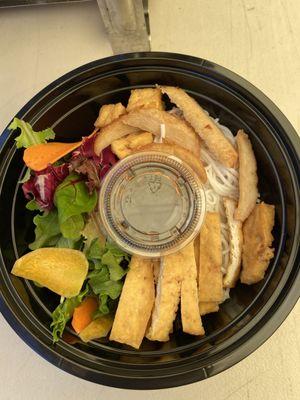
(125, 146)
(176, 129)
(136, 303)
(257, 231)
(116, 130)
(167, 297)
(210, 282)
(236, 243)
(247, 177)
(190, 316)
(146, 98)
(213, 137)
(208, 307)
(108, 113)
(194, 162)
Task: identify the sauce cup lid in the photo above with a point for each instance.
(152, 204)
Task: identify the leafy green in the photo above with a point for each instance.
(63, 313)
(28, 136)
(104, 307)
(106, 274)
(69, 243)
(72, 227)
(95, 251)
(116, 272)
(26, 176)
(72, 200)
(47, 231)
(32, 205)
(110, 288)
(116, 251)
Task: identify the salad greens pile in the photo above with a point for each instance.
(64, 201)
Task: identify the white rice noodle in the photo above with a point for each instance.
(212, 200)
(222, 180)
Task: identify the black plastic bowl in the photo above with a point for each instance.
(70, 105)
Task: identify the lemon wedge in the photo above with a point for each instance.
(61, 270)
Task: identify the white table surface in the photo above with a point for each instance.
(257, 39)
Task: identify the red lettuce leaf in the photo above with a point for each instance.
(41, 186)
(85, 161)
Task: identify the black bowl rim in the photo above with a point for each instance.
(259, 335)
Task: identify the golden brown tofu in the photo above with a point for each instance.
(108, 113)
(125, 146)
(247, 177)
(167, 297)
(146, 98)
(208, 307)
(209, 132)
(177, 130)
(136, 303)
(190, 315)
(257, 251)
(210, 280)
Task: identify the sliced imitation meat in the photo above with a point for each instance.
(209, 132)
(247, 177)
(178, 151)
(257, 251)
(136, 303)
(236, 243)
(126, 145)
(167, 297)
(210, 278)
(115, 130)
(145, 98)
(176, 129)
(108, 113)
(190, 315)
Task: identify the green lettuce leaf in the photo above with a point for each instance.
(116, 272)
(71, 228)
(28, 137)
(72, 199)
(32, 205)
(63, 313)
(110, 288)
(26, 176)
(47, 232)
(106, 274)
(95, 251)
(69, 243)
(104, 308)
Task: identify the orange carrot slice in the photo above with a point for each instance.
(82, 315)
(39, 156)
